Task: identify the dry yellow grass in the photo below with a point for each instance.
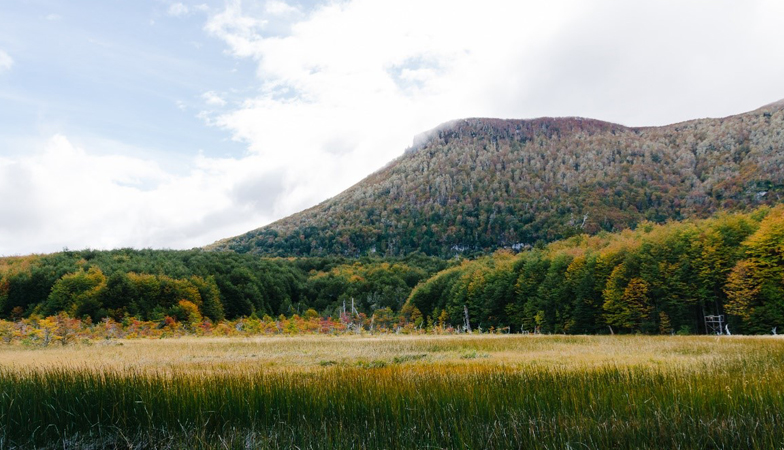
(308, 353)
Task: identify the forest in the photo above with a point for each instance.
(655, 279)
(149, 284)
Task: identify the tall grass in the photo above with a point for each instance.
(728, 403)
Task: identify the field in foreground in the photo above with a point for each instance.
(543, 392)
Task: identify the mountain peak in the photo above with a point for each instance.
(521, 129)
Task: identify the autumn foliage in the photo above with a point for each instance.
(653, 279)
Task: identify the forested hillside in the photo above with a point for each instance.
(473, 186)
(654, 279)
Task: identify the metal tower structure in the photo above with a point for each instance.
(714, 324)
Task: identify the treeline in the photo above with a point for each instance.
(152, 284)
(656, 279)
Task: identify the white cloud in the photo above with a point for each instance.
(241, 32)
(178, 10)
(6, 62)
(279, 8)
(64, 196)
(213, 99)
(53, 17)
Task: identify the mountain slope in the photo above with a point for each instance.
(476, 185)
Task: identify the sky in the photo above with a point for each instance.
(172, 124)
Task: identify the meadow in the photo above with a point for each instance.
(383, 392)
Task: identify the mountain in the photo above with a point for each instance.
(475, 185)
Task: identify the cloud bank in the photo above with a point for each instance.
(64, 196)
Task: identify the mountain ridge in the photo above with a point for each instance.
(543, 179)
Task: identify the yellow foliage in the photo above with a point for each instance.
(194, 316)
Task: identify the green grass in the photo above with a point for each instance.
(411, 400)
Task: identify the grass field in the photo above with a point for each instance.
(491, 391)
